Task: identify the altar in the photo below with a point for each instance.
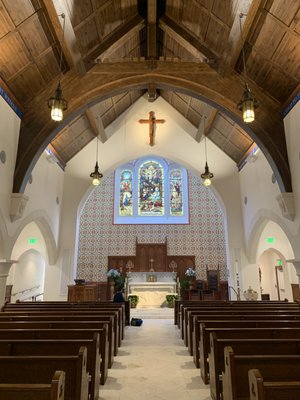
(152, 287)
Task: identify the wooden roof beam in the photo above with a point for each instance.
(188, 40)
(151, 30)
(96, 125)
(114, 40)
(205, 130)
(251, 9)
(71, 50)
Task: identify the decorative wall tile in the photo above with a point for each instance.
(98, 238)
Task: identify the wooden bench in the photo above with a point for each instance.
(83, 307)
(40, 369)
(279, 390)
(272, 367)
(243, 347)
(34, 391)
(53, 324)
(59, 347)
(63, 334)
(247, 317)
(204, 343)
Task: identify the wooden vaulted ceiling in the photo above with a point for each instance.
(194, 38)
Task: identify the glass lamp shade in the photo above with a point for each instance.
(96, 176)
(207, 176)
(206, 182)
(247, 105)
(57, 104)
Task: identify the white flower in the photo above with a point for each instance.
(190, 272)
(113, 273)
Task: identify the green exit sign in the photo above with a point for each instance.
(279, 262)
(32, 240)
(270, 240)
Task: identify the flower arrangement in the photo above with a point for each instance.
(190, 272)
(113, 274)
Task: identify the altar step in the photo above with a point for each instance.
(152, 313)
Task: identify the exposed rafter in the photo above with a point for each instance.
(71, 51)
(115, 40)
(96, 125)
(187, 40)
(151, 30)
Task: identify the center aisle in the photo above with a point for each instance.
(153, 363)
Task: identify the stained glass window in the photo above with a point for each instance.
(151, 189)
(125, 208)
(176, 203)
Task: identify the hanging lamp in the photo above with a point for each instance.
(96, 175)
(57, 103)
(207, 175)
(248, 103)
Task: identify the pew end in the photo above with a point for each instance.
(261, 390)
(52, 391)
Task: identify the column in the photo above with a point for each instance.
(297, 267)
(4, 271)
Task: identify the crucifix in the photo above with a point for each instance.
(152, 121)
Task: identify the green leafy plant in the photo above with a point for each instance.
(134, 299)
(170, 298)
(184, 284)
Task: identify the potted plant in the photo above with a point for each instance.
(170, 298)
(134, 299)
(191, 276)
(113, 275)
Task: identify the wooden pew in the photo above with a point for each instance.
(109, 314)
(40, 369)
(272, 367)
(59, 347)
(72, 324)
(193, 332)
(34, 391)
(204, 343)
(242, 347)
(279, 390)
(62, 334)
(85, 306)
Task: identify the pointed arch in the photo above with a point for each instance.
(259, 222)
(43, 222)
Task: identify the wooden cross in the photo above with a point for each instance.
(152, 121)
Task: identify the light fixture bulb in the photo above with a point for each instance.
(207, 182)
(207, 176)
(96, 182)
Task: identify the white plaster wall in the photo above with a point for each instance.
(9, 135)
(267, 264)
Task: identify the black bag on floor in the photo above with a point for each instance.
(136, 322)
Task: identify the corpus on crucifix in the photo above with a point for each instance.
(152, 121)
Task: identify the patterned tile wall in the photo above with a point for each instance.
(98, 237)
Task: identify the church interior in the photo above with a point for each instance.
(150, 138)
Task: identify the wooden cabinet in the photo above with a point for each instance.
(79, 293)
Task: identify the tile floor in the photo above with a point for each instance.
(153, 363)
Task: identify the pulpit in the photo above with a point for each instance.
(79, 293)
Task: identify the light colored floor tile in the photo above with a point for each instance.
(153, 363)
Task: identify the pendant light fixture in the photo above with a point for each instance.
(96, 175)
(248, 102)
(57, 103)
(207, 175)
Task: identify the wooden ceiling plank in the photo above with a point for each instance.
(208, 122)
(12, 96)
(116, 39)
(251, 10)
(71, 50)
(151, 30)
(96, 126)
(187, 39)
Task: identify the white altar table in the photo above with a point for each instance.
(152, 294)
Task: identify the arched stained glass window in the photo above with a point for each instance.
(151, 189)
(176, 200)
(126, 206)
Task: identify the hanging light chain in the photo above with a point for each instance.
(62, 44)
